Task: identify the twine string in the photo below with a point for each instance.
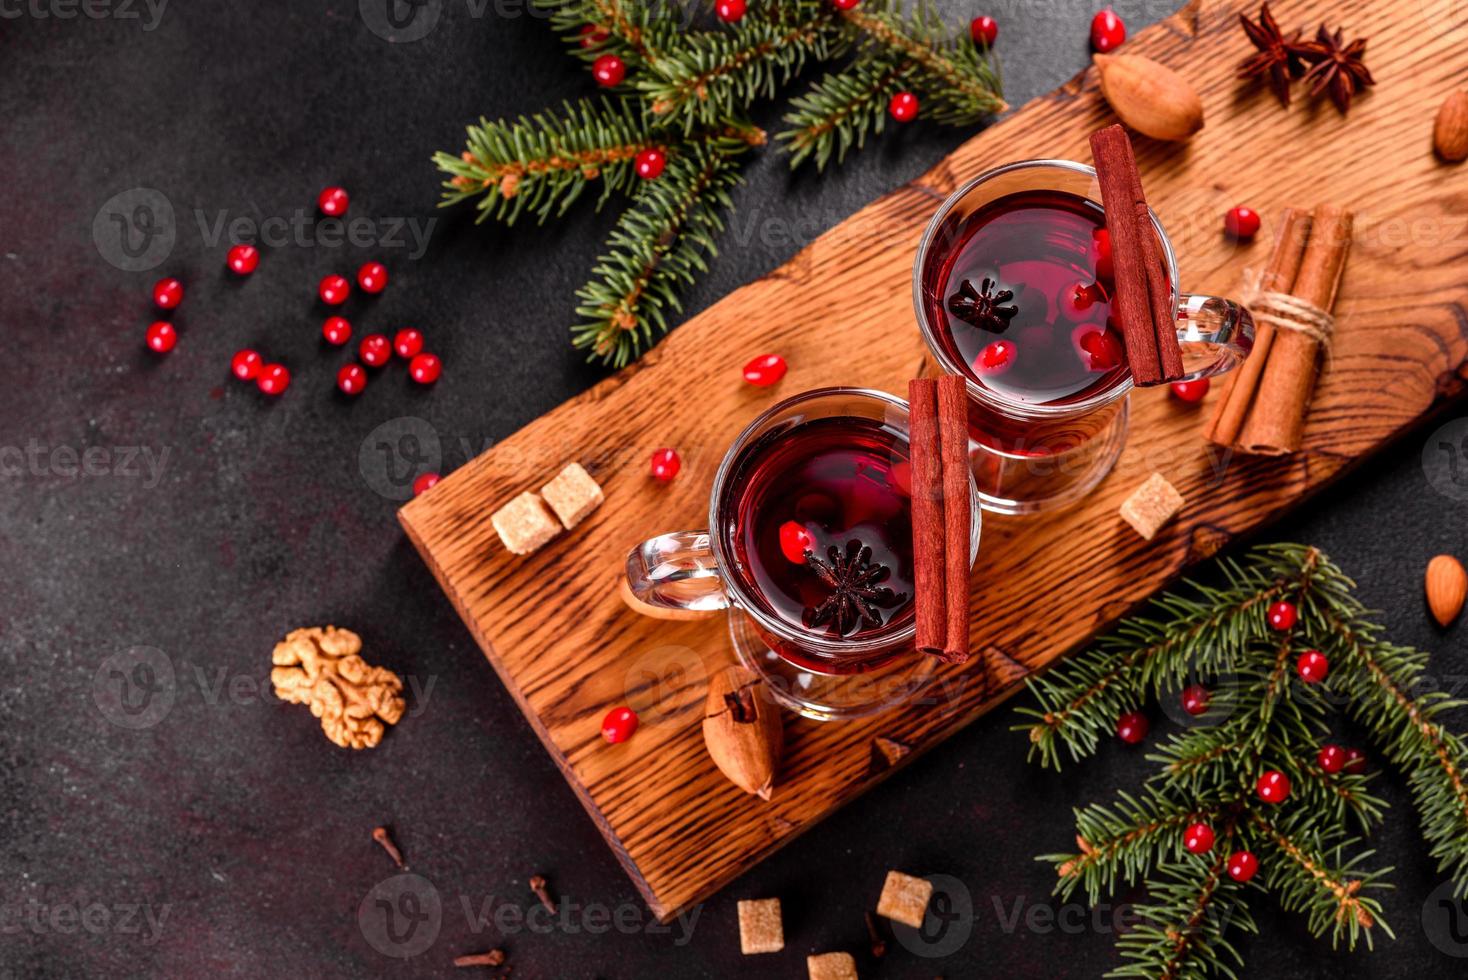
(1285, 312)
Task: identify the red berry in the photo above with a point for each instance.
(161, 337)
(1099, 348)
(903, 107)
(1241, 223)
(1242, 865)
(273, 379)
(334, 290)
(246, 364)
(983, 30)
(243, 259)
(650, 163)
(1191, 392)
(1332, 758)
(375, 350)
(618, 725)
(1198, 838)
(1132, 727)
(729, 11)
(608, 70)
(425, 368)
(1355, 762)
(352, 378)
(996, 358)
(424, 483)
(845, 4)
(765, 370)
(167, 293)
(1101, 243)
(1195, 699)
(1312, 666)
(665, 464)
(1107, 31)
(372, 277)
(333, 202)
(592, 35)
(1282, 615)
(1076, 299)
(407, 343)
(336, 330)
(795, 541)
(1273, 786)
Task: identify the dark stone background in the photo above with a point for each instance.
(231, 818)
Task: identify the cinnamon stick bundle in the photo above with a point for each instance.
(941, 515)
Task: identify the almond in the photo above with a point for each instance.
(743, 730)
(1450, 132)
(1447, 587)
(1149, 97)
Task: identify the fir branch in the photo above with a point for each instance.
(1183, 932)
(1331, 896)
(637, 32)
(841, 108)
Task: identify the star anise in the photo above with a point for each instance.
(1337, 68)
(981, 306)
(1281, 58)
(856, 592)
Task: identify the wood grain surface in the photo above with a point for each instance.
(568, 649)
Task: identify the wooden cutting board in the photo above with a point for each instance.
(567, 648)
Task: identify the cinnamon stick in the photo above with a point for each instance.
(957, 514)
(1159, 290)
(928, 532)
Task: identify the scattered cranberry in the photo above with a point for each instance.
(333, 202)
(618, 725)
(1332, 758)
(1077, 299)
(407, 343)
(1195, 699)
(243, 259)
(1198, 838)
(351, 379)
(1107, 30)
(1132, 727)
(336, 330)
(372, 277)
(274, 379)
(730, 11)
(246, 364)
(996, 358)
(765, 370)
(334, 290)
(1282, 615)
(665, 464)
(1312, 666)
(375, 350)
(1355, 762)
(984, 30)
(424, 483)
(592, 35)
(650, 163)
(608, 70)
(1242, 865)
(161, 337)
(1273, 786)
(1191, 392)
(167, 293)
(795, 541)
(903, 107)
(1241, 223)
(425, 368)
(1100, 349)
(845, 4)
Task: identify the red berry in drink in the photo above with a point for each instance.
(903, 107)
(1076, 300)
(730, 11)
(274, 379)
(334, 290)
(161, 337)
(407, 343)
(1195, 699)
(1107, 31)
(1191, 392)
(1242, 866)
(424, 483)
(1132, 727)
(246, 365)
(375, 350)
(1331, 758)
(1241, 223)
(1282, 615)
(795, 541)
(167, 293)
(619, 724)
(650, 163)
(1355, 762)
(608, 70)
(333, 202)
(1273, 786)
(592, 35)
(1312, 666)
(351, 379)
(983, 30)
(1198, 838)
(765, 370)
(336, 330)
(425, 368)
(243, 259)
(1100, 349)
(845, 4)
(665, 464)
(372, 277)
(996, 358)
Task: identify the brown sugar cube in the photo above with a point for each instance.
(573, 494)
(831, 966)
(1152, 505)
(905, 899)
(760, 927)
(525, 523)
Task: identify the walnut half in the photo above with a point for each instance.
(321, 667)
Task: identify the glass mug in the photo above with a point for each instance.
(1049, 437)
(801, 483)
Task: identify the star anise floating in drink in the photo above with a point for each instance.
(981, 306)
(1280, 58)
(1326, 64)
(856, 590)
(1337, 68)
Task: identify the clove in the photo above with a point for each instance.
(492, 958)
(879, 945)
(382, 837)
(537, 885)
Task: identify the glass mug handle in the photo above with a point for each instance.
(1215, 335)
(674, 576)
